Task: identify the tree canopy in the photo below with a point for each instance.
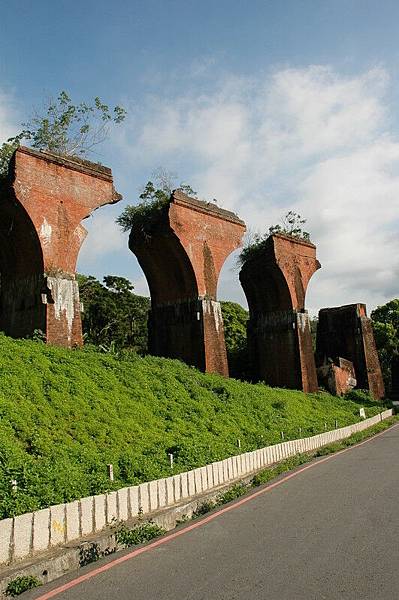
(386, 332)
(64, 128)
(113, 316)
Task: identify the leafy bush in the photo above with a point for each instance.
(143, 532)
(291, 225)
(232, 493)
(144, 216)
(362, 397)
(21, 584)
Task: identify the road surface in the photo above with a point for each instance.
(331, 531)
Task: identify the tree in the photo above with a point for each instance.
(386, 332)
(291, 224)
(235, 319)
(113, 316)
(65, 128)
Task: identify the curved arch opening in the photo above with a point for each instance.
(21, 272)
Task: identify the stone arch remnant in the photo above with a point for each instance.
(347, 332)
(181, 254)
(275, 280)
(42, 203)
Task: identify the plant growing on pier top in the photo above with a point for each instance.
(64, 128)
(152, 200)
(291, 225)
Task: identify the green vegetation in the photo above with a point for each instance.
(66, 414)
(64, 128)
(139, 534)
(114, 317)
(386, 332)
(144, 216)
(235, 319)
(21, 584)
(291, 225)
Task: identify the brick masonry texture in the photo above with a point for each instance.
(337, 377)
(347, 332)
(279, 337)
(182, 258)
(30, 534)
(42, 204)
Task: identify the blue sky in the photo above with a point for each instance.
(266, 106)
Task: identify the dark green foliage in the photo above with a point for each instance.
(21, 584)
(153, 200)
(386, 333)
(7, 149)
(235, 319)
(139, 534)
(113, 316)
(142, 216)
(231, 494)
(362, 397)
(66, 414)
(291, 225)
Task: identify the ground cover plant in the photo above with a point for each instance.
(19, 585)
(66, 414)
(138, 534)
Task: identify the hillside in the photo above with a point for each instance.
(64, 415)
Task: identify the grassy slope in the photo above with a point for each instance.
(65, 414)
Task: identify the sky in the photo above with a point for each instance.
(265, 106)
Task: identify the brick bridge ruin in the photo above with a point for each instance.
(182, 257)
(42, 203)
(279, 337)
(345, 332)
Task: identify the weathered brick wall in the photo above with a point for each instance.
(337, 377)
(279, 336)
(346, 331)
(42, 205)
(182, 257)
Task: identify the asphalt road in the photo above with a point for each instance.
(329, 532)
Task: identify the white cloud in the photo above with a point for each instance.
(307, 139)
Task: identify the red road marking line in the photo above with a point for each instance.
(211, 517)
